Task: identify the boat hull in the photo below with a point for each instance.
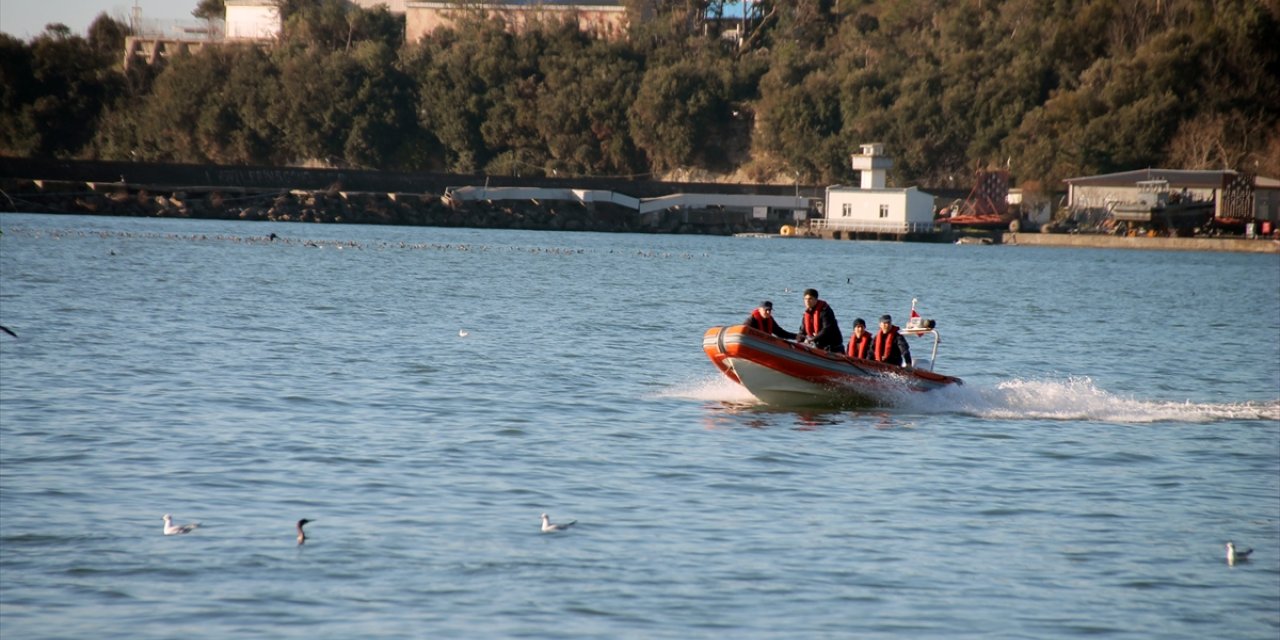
(785, 373)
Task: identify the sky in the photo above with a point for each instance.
(25, 19)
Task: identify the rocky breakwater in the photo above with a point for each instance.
(337, 206)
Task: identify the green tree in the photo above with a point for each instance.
(210, 9)
(106, 36)
(460, 76)
(54, 93)
(582, 106)
(18, 90)
(338, 25)
(799, 119)
(177, 122)
(383, 103)
(680, 113)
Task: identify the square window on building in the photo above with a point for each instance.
(884, 211)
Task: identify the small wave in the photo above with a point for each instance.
(716, 388)
(1076, 399)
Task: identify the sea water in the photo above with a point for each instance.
(424, 394)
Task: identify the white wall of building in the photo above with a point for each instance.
(878, 209)
(393, 6)
(252, 20)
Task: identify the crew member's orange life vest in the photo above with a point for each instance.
(860, 347)
(885, 343)
(812, 316)
(763, 322)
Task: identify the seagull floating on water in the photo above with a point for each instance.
(1234, 556)
(462, 333)
(549, 527)
(302, 535)
(171, 529)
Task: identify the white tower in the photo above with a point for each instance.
(873, 164)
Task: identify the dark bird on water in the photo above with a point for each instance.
(272, 237)
(8, 330)
(302, 535)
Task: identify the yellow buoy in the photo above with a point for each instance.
(787, 230)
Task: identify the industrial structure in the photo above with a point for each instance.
(1177, 200)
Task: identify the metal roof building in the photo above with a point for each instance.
(1235, 195)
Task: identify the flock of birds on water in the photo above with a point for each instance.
(1234, 556)
(171, 529)
(350, 244)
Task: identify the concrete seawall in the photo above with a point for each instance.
(291, 194)
(1240, 245)
(163, 176)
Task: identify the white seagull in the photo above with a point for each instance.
(1234, 556)
(548, 527)
(462, 333)
(171, 529)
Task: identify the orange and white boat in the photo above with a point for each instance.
(781, 372)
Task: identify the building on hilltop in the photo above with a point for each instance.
(245, 21)
(601, 18)
(394, 7)
(253, 20)
(260, 22)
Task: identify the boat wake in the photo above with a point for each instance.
(1020, 399)
(1075, 399)
(711, 389)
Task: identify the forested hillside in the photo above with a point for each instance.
(1046, 88)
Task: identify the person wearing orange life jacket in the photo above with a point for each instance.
(860, 341)
(762, 320)
(819, 326)
(889, 346)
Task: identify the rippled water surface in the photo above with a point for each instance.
(424, 394)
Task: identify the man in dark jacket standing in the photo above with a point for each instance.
(762, 320)
(820, 327)
(889, 346)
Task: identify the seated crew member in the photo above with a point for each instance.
(820, 326)
(889, 346)
(762, 320)
(860, 341)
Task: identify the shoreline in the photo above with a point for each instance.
(1072, 240)
(423, 199)
(294, 194)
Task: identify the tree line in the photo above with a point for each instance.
(1047, 90)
